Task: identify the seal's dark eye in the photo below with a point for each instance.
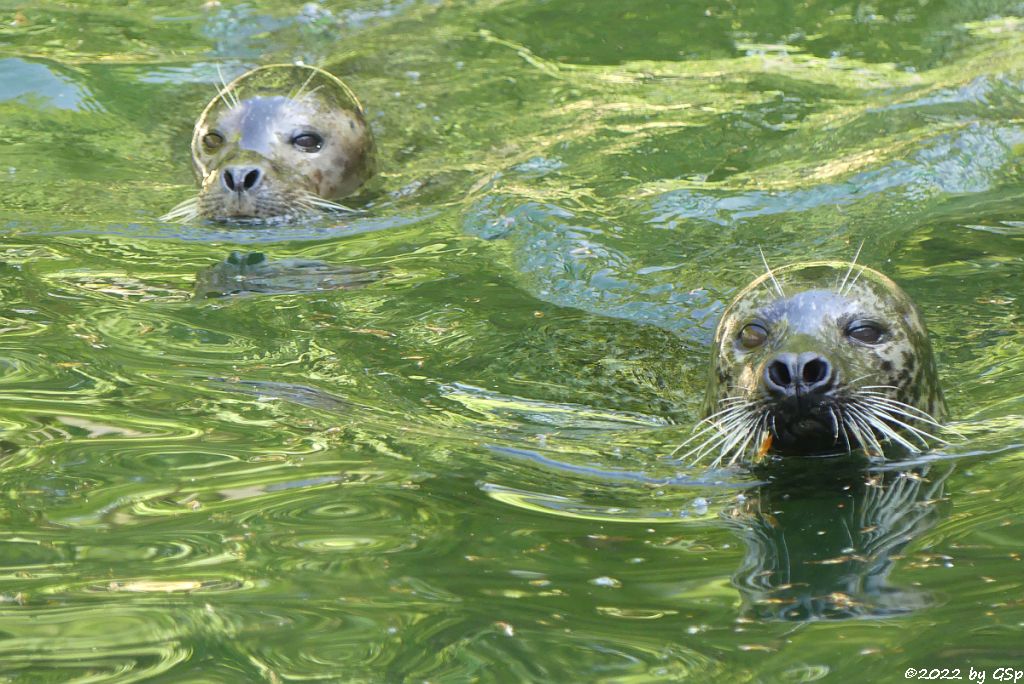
(868, 333)
(308, 142)
(212, 141)
(753, 336)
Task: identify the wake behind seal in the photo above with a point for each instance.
(280, 141)
(818, 358)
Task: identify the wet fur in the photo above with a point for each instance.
(887, 393)
(294, 184)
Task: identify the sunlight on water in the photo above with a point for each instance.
(432, 441)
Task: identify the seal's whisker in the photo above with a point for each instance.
(311, 91)
(914, 430)
(884, 430)
(712, 427)
(321, 203)
(864, 434)
(889, 411)
(183, 211)
(230, 98)
(835, 425)
(719, 415)
(694, 455)
(724, 422)
(846, 435)
(751, 431)
(876, 393)
(771, 275)
(735, 442)
(903, 410)
(298, 93)
(722, 431)
(853, 383)
(853, 263)
(736, 439)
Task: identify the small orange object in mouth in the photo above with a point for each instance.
(762, 451)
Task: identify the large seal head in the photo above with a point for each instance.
(278, 141)
(819, 358)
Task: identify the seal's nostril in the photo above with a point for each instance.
(241, 178)
(778, 373)
(251, 179)
(814, 371)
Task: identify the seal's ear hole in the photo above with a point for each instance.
(865, 332)
(753, 336)
(212, 140)
(308, 142)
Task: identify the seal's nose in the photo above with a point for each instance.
(241, 178)
(791, 374)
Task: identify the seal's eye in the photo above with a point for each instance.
(212, 141)
(866, 332)
(308, 142)
(753, 336)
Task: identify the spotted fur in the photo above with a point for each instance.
(884, 392)
(257, 117)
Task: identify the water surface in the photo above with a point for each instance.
(457, 471)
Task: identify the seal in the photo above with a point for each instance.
(819, 358)
(279, 141)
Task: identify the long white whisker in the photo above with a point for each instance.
(905, 409)
(775, 281)
(298, 93)
(734, 441)
(694, 455)
(916, 431)
(886, 431)
(183, 211)
(320, 202)
(230, 98)
(709, 426)
(850, 270)
(723, 429)
(735, 409)
(846, 434)
(750, 430)
(864, 434)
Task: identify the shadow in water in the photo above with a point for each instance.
(822, 538)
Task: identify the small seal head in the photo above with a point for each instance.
(278, 141)
(820, 358)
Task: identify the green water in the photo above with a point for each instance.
(457, 472)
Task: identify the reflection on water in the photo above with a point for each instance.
(429, 442)
(252, 272)
(821, 544)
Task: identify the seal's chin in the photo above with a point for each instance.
(802, 428)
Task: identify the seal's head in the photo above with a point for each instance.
(280, 140)
(819, 358)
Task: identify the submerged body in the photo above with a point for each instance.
(278, 141)
(819, 358)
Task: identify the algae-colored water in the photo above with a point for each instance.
(457, 472)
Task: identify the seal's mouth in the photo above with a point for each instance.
(823, 424)
(802, 425)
